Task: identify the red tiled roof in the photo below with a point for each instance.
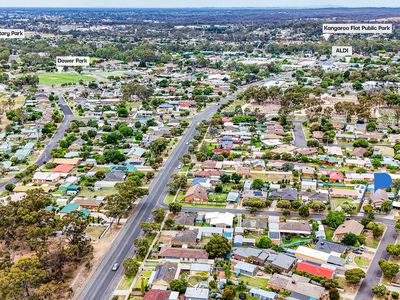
(315, 270)
(207, 174)
(63, 168)
(220, 151)
(156, 295)
(183, 253)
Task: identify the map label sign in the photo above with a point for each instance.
(355, 28)
(6, 34)
(72, 61)
(342, 51)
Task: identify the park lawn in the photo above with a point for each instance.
(62, 78)
(259, 282)
(361, 261)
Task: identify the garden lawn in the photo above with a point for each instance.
(125, 282)
(328, 233)
(259, 282)
(361, 261)
(62, 78)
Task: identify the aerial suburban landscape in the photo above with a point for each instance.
(199, 153)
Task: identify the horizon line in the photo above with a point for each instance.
(208, 7)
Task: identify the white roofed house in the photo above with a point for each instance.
(43, 177)
(217, 219)
(193, 293)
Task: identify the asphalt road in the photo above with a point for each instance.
(299, 137)
(374, 273)
(103, 282)
(45, 156)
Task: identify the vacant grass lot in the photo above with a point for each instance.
(361, 261)
(259, 282)
(62, 78)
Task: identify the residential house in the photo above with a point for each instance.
(72, 207)
(186, 237)
(233, 196)
(255, 224)
(157, 295)
(196, 193)
(217, 219)
(194, 293)
(330, 247)
(317, 256)
(284, 194)
(183, 254)
(257, 256)
(164, 273)
(262, 294)
(315, 270)
(318, 196)
(335, 176)
(241, 241)
(45, 177)
(299, 286)
(349, 226)
(184, 218)
(379, 197)
(283, 262)
(295, 227)
(245, 269)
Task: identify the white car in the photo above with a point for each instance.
(115, 267)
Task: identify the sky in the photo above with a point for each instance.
(199, 3)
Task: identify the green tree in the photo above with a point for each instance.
(175, 207)
(257, 184)
(379, 290)
(335, 218)
(349, 239)
(131, 267)
(178, 285)
(158, 214)
(218, 246)
(296, 204)
(334, 294)
(354, 276)
(264, 242)
(304, 211)
(388, 269)
(116, 206)
(393, 249)
(228, 293)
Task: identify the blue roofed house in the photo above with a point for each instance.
(72, 207)
(233, 196)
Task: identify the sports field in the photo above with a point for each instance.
(62, 78)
